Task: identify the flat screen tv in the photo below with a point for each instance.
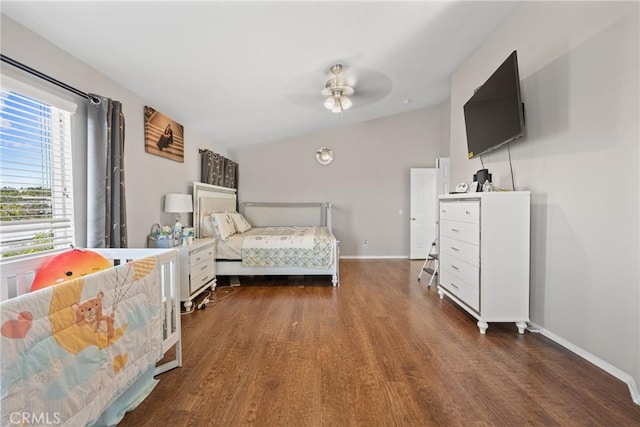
(494, 115)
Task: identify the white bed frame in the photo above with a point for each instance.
(17, 276)
(212, 198)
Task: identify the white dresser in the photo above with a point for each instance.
(197, 269)
(484, 255)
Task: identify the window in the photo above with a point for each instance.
(36, 188)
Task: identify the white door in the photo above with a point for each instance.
(443, 165)
(422, 218)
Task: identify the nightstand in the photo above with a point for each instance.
(197, 269)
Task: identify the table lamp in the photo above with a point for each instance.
(178, 203)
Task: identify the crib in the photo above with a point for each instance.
(162, 270)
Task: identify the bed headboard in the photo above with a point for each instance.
(212, 198)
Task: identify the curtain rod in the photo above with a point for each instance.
(43, 76)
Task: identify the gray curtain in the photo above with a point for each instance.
(106, 208)
(230, 174)
(218, 170)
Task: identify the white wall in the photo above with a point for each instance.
(445, 128)
(368, 182)
(579, 72)
(148, 177)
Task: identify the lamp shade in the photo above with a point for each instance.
(178, 203)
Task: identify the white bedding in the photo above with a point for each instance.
(308, 247)
(231, 249)
(263, 239)
(282, 237)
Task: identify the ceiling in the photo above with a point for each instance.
(251, 72)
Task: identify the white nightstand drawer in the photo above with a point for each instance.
(462, 250)
(197, 269)
(460, 211)
(201, 275)
(465, 271)
(468, 294)
(201, 255)
(465, 231)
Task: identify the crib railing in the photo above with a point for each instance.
(16, 277)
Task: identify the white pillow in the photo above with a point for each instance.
(223, 225)
(206, 226)
(240, 222)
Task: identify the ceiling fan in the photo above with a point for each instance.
(338, 90)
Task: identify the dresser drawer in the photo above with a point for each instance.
(202, 274)
(465, 292)
(463, 270)
(201, 255)
(464, 251)
(460, 211)
(464, 231)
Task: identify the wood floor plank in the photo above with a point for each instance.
(382, 349)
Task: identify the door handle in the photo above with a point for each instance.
(413, 218)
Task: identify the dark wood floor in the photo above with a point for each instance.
(381, 350)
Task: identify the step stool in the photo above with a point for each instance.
(430, 265)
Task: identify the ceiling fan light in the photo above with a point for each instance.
(337, 108)
(329, 103)
(345, 102)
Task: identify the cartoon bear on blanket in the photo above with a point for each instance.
(90, 312)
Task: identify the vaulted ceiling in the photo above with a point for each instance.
(252, 72)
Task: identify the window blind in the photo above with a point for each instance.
(36, 188)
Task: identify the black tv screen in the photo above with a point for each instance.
(494, 115)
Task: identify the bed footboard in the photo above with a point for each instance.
(263, 214)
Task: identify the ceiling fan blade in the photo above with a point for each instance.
(307, 100)
(370, 86)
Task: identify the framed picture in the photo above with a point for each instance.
(163, 136)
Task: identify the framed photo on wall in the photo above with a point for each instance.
(163, 136)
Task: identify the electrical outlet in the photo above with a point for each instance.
(364, 242)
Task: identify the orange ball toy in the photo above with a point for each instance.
(69, 265)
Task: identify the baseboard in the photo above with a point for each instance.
(605, 366)
(374, 257)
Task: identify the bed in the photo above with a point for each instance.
(62, 366)
(302, 231)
